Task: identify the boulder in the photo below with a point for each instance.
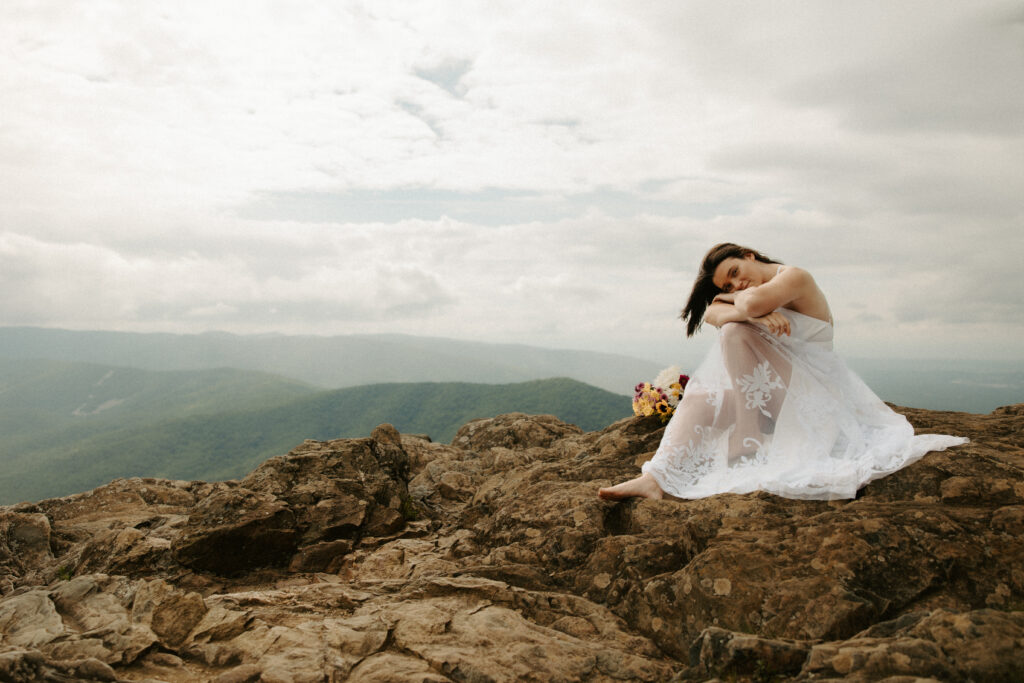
(512, 430)
(236, 530)
(171, 614)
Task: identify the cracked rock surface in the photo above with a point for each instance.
(393, 558)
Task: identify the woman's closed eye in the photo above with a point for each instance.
(732, 274)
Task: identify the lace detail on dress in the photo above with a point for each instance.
(757, 387)
(696, 460)
(713, 394)
(758, 457)
(687, 463)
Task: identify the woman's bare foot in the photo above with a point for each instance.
(644, 486)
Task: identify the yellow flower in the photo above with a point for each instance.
(642, 406)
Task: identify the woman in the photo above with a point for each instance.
(772, 408)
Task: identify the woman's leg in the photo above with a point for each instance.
(760, 376)
(745, 412)
(693, 410)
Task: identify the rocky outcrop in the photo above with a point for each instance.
(492, 559)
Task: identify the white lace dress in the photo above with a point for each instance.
(783, 415)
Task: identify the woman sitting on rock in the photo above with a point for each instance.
(772, 407)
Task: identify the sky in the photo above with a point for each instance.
(521, 172)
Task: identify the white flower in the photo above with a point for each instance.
(667, 377)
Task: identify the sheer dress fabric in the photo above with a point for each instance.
(783, 415)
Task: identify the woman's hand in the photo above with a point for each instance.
(776, 323)
(722, 312)
(725, 297)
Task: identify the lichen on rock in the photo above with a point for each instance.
(491, 558)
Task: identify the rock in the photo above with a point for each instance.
(982, 645)
(386, 435)
(24, 547)
(26, 535)
(220, 623)
(81, 625)
(96, 612)
(235, 530)
(1009, 520)
(513, 430)
(720, 652)
(247, 673)
(385, 667)
(320, 556)
(165, 659)
(339, 516)
(422, 452)
(342, 488)
(114, 530)
(491, 558)
(446, 624)
(92, 669)
(170, 613)
(26, 665)
(29, 620)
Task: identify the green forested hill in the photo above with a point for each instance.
(48, 408)
(53, 392)
(55, 403)
(229, 443)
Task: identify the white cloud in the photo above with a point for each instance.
(510, 171)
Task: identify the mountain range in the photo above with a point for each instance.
(71, 426)
(976, 386)
(331, 362)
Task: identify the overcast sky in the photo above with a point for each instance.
(531, 172)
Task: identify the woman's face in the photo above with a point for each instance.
(736, 274)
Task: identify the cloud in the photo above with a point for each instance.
(520, 171)
(960, 79)
(447, 75)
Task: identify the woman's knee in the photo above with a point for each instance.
(733, 335)
(694, 397)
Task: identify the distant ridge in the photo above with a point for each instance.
(977, 386)
(331, 362)
(229, 443)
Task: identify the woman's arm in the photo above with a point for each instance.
(721, 312)
(786, 287)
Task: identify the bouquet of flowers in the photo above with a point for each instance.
(661, 396)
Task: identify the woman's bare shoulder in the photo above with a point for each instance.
(811, 300)
(795, 280)
(796, 273)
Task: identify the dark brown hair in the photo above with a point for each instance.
(704, 289)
